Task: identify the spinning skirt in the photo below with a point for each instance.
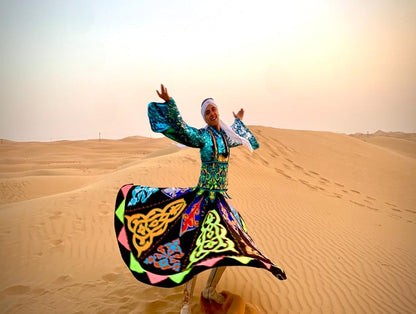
(167, 236)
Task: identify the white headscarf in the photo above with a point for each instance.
(230, 133)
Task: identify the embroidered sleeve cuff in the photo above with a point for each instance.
(240, 128)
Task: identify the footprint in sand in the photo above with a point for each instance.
(298, 167)
(308, 184)
(279, 171)
(395, 216)
(63, 279)
(16, 290)
(111, 277)
(395, 209)
(56, 215)
(233, 304)
(39, 291)
(356, 203)
(156, 306)
(78, 224)
(264, 161)
(105, 213)
(324, 179)
(56, 242)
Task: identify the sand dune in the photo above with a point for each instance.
(401, 143)
(337, 212)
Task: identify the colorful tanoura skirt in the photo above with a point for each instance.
(167, 236)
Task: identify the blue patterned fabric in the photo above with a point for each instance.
(213, 144)
(165, 118)
(239, 127)
(141, 194)
(213, 176)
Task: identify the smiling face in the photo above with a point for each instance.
(212, 117)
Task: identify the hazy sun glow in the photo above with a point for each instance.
(74, 69)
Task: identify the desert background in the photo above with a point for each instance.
(336, 211)
(327, 197)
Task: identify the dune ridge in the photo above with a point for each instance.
(337, 212)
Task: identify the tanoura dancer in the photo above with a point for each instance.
(167, 236)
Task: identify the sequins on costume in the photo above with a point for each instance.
(168, 235)
(213, 176)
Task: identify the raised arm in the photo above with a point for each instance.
(240, 128)
(165, 118)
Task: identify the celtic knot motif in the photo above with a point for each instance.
(145, 227)
(141, 194)
(213, 238)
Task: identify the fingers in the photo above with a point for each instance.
(163, 89)
(239, 115)
(163, 93)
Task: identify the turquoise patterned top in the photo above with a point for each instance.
(214, 145)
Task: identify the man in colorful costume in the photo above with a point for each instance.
(167, 236)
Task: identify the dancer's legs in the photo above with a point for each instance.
(209, 292)
(188, 291)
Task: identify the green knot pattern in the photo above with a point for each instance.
(213, 176)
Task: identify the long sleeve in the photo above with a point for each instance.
(165, 118)
(240, 128)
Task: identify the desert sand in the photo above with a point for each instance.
(337, 212)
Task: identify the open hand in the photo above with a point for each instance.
(239, 115)
(163, 93)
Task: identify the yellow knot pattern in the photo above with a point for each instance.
(145, 227)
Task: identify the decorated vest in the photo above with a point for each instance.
(213, 175)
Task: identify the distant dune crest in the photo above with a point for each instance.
(337, 212)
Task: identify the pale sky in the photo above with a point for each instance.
(74, 69)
